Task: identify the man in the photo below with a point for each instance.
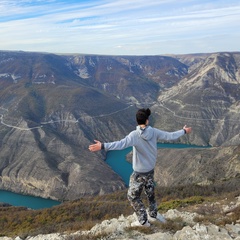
(144, 142)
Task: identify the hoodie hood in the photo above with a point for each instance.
(145, 133)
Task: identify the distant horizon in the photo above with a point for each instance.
(137, 55)
(120, 27)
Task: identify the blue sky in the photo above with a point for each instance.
(120, 27)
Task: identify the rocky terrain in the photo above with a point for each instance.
(219, 166)
(52, 107)
(181, 224)
(206, 98)
(202, 166)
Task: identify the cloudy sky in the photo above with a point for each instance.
(120, 27)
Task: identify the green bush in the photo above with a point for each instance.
(172, 204)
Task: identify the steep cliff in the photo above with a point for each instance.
(48, 156)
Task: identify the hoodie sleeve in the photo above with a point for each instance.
(126, 142)
(163, 135)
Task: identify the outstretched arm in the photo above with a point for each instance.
(164, 135)
(96, 146)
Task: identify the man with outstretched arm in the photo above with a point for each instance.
(144, 142)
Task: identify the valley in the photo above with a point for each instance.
(53, 106)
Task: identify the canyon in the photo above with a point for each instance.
(53, 106)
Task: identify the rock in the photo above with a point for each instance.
(185, 216)
(201, 232)
(113, 225)
(233, 229)
(54, 236)
(159, 236)
(118, 228)
(17, 238)
(4, 204)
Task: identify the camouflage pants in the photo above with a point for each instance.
(138, 182)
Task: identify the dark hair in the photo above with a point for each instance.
(142, 115)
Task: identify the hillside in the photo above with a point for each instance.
(206, 98)
(53, 106)
(209, 215)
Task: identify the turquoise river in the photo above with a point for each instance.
(115, 159)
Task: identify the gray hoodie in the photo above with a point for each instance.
(144, 143)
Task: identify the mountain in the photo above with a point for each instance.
(133, 79)
(49, 116)
(208, 98)
(53, 106)
(219, 166)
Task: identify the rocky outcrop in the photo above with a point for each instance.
(117, 229)
(120, 228)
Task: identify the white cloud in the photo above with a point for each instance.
(118, 27)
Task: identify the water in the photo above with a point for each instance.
(26, 201)
(115, 159)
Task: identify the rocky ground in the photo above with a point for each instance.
(189, 223)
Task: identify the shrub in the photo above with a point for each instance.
(172, 204)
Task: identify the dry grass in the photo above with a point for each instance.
(83, 214)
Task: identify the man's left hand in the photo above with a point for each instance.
(95, 147)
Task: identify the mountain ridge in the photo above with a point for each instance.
(53, 106)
